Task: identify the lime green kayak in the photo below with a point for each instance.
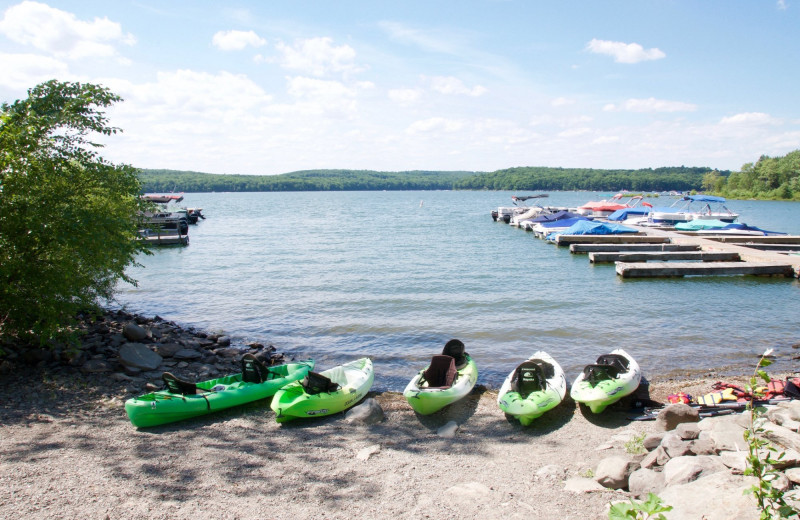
(448, 378)
(185, 400)
(533, 388)
(326, 393)
(611, 378)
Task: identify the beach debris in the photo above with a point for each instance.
(369, 451)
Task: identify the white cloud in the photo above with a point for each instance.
(624, 52)
(22, 71)
(60, 33)
(236, 40)
(606, 139)
(651, 105)
(748, 118)
(405, 96)
(453, 86)
(435, 124)
(575, 132)
(562, 101)
(782, 5)
(318, 57)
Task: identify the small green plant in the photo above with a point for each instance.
(636, 444)
(760, 460)
(589, 473)
(650, 509)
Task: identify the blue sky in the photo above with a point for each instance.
(256, 87)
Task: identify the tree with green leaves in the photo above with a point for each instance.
(68, 217)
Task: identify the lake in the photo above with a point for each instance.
(394, 275)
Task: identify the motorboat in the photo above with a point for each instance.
(685, 209)
(604, 208)
(718, 227)
(163, 198)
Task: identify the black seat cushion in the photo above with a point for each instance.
(254, 371)
(615, 360)
(315, 383)
(441, 373)
(178, 386)
(455, 349)
(529, 377)
(596, 373)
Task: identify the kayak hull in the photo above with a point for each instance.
(163, 407)
(597, 397)
(354, 379)
(426, 401)
(527, 409)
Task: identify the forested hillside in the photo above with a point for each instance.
(526, 178)
(310, 180)
(775, 178)
(570, 179)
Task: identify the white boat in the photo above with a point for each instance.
(685, 210)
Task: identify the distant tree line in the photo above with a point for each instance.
(679, 178)
(526, 178)
(154, 181)
(774, 178)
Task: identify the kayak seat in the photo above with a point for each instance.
(178, 386)
(254, 371)
(315, 383)
(455, 349)
(529, 378)
(614, 360)
(441, 373)
(597, 373)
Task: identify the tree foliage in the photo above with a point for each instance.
(527, 178)
(67, 216)
(776, 178)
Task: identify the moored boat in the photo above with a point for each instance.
(609, 379)
(533, 388)
(448, 378)
(183, 400)
(325, 393)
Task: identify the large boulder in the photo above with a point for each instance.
(134, 332)
(715, 497)
(613, 472)
(673, 415)
(644, 481)
(681, 470)
(138, 356)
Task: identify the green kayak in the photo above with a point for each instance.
(611, 378)
(326, 393)
(183, 400)
(448, 378)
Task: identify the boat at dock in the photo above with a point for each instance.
(604, 208)
(686, 209)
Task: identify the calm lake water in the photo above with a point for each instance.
(394, 275)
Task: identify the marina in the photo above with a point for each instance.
(351, 279)
(648, 247)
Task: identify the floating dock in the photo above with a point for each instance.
(652, 253)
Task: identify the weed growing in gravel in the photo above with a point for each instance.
(760, 462)
(636, 444)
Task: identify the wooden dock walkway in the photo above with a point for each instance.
(649, 256)
(668, 269)
(621, 248)
(752, 261)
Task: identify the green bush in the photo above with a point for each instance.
(68, 218)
